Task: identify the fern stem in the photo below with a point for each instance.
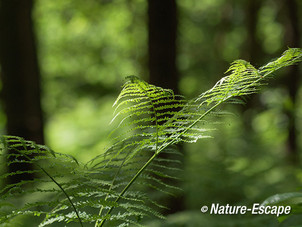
(142, 168)
(149, 161)
(65, 193)
(126, 188)
(62, 189)
(117, 172)
(162, 147)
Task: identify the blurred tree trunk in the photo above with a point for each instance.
(254, 50)
(162, 28)
(253, 53)
(20, 75)
(162, 34)
(292, 39)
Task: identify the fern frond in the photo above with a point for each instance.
(108, 189)
(181, 120)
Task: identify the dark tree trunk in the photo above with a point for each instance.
(252, 53)
(20, 74)
(292, 82)
(254, 50)
(162, 33)
(162, 28)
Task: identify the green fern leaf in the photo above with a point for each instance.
(108, 189)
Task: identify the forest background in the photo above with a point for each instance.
(63, 64)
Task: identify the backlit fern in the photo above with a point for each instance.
(108, 189)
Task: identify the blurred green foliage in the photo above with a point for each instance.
(86, 48)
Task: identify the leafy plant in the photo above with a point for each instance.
(108, 189)
(292, 199)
